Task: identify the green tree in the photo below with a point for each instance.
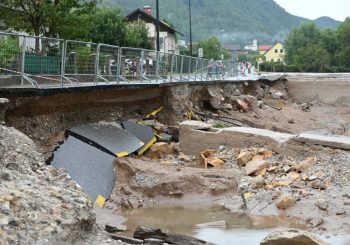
(107, 26)
(313, 57)
(9, 50)
(212, 49)
(343, 55)
(136, 35)
(331, 43)
(309, 48)
(44, 17)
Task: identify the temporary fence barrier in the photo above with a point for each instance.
(41, 62)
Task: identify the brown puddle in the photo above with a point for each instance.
(238, 228)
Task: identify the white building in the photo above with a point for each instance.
(167, 34)
(253, 46)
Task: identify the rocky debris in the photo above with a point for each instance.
(253, 153)
(284, 201)
(39, 204)
(257, 182)
(128, 240)
(291, 237)
(318, 184)
(160, 149)
(322, 204)
(210, 158)
(316, 221)
(305, 164)
(148, 179)
(244, 157)
(113, 228)
(341, 211)
(4, 104)
(278, 94)
(255, 167)
(306, 106)
(166, 236)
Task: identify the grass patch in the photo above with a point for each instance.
(219, 125)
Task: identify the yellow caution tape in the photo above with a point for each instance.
(153, 113)
(100, 201)
(122, 154)
(158, 136)
(146, 146)
(189, 115)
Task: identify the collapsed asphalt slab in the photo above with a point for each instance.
(89, 151)
(142, 132)
(108, 137)
(91, 168)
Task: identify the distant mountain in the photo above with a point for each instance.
(327, 22)
(233, 21)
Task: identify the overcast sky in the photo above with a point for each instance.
(312, 9)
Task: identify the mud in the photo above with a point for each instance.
(175, 181)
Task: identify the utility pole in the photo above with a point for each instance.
(157, 25)
(189, 11)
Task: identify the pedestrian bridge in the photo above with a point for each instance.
(28, 62)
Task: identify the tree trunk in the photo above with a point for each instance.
(167, 236)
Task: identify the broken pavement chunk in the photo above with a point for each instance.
(143, 133)
(304, 165)
(109, 137)
(284, 201)
(244, 106)
(160, 149)
(91, 168)
(244, 157)
(208, 158)
(254, 167)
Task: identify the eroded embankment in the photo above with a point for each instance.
(268, 106)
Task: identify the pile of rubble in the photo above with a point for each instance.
(313, 188)
(40, 204)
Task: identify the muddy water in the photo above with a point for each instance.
(238, 229)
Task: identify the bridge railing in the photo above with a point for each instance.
(28, 61)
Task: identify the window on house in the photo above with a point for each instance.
(281, 51)
(272, 60)
(279, 60)
(276, 51)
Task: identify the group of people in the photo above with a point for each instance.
(246, 68)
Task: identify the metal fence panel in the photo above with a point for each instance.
(164, 65)
(150, 65)
(11, 60)
(131, 64)
(40, 61)
(107, 63)
(80, 61)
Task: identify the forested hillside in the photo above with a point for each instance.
(326, 22)
(234, 21)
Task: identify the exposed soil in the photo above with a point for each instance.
(320, 193)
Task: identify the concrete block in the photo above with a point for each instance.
(193, 141)
(334, 141)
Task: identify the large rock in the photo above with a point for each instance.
(285, 201)
(255, 167)
(291, 237)
(160, 149)
(244, 157)
(304, 165)
(148, 180)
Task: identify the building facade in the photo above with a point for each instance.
(167, 34)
